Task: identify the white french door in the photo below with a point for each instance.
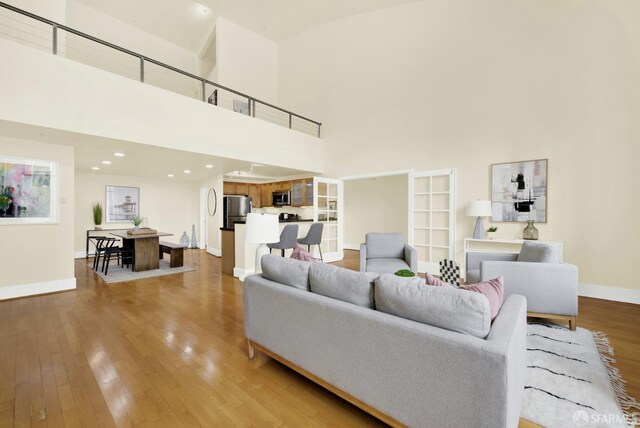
(328, 209)
(432, 217)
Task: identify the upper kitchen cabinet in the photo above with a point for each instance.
(282, 186)
(265, 195)
(302, 192)
(232, 188)
(255, 195)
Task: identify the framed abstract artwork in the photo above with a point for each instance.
(519, 191)
(121, 203)
(28, 191)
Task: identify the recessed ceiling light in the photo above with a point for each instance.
(205, 9)
(95, 168)
(208, 166)
(169, 175)
(106, 162)
(186, 171)
(118, 154)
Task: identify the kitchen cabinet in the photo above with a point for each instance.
(242, 189)
(265, 195)
(229, 188)
(282, 186)
(255, 195)
(302, 192)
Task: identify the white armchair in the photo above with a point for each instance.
(549, 285)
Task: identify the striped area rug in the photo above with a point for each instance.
(571, 382)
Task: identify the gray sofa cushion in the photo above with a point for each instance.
(342, 284)
(385, 245)
(386, 265)
(444, 307)
(540, 252)
(291, 272)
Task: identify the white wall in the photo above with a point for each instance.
(246, 61)
(433, 85)
(377, 204)
(170, 206)
(93, 22)
(39, 258)
(49, 91)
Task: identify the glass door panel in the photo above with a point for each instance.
(328, 210)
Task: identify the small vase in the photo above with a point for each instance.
(194, 241)
(98, 227)
(490, 235)
(530, 232)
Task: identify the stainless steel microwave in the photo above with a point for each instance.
(281, 199)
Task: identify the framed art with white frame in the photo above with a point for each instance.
(28, 191)
(121, 203)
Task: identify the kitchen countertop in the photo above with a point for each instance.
(281, 221)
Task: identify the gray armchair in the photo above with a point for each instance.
(550, 286)
(387, 253)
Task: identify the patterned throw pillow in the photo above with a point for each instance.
(493, 290)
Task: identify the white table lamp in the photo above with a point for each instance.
(479, 209)
(262, 229)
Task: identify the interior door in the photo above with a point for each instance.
(328, 209)
(432, 217)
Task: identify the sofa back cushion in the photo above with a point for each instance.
(540, 252)
(444, 307)
(291, 272)
(385, 245)
(342, 284)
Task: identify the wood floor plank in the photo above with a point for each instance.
(170, 352)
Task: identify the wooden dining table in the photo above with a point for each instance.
(145, 247)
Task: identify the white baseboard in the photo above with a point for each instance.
(214, 251)
(351, 247)
(32, 289)
(241, 274)
(82, 254)
(617, 294)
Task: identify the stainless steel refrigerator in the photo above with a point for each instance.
(236, 209)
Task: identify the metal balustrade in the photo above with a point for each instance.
(45, 34)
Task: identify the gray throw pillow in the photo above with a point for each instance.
(342, 284)
(540, 252)
(291, 272)
(445, 307)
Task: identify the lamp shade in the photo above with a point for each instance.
(479, 209)
(262, 228)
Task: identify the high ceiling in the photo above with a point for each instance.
(184, 22)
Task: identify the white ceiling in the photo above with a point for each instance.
(183, 22)
(142, 160)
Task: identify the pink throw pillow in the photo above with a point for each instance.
(432, 280)
(493, 290)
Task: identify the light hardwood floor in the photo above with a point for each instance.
(170, 351)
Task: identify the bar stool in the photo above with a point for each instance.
(288, 239)
(314, 237)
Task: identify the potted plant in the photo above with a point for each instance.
(491, 231)
(97, 215)
(136, 220)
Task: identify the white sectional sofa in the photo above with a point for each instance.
(406, 373)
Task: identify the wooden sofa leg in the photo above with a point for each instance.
(252, 351)
(573, 321)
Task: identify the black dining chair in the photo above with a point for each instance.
(314, 237)
(101, 243)
(288, 239)
(125, 256)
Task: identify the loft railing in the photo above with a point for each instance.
(71, 43)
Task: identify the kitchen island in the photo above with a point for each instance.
(245, 252)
